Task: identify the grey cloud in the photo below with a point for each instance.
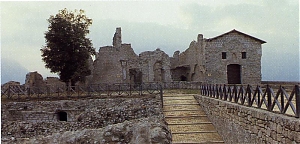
(143, 36)
(11, 70)
(273, 21)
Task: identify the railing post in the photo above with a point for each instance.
(297, 92)
(259, 101)
(235, 93)
(48, 91)
(141, 89)
(269, 97)
(225, 93)
(130, 89)
(161, 96)
(282, 99)
(248, 94)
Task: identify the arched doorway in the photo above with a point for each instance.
(135, 76)
(234, 74)
(62, 116)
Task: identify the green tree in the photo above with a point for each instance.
(67, 48)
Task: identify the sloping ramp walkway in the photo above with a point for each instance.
(187, 121)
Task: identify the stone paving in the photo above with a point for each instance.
(187, 121)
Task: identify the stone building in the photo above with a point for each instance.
(233, 57)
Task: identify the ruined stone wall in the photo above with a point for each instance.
(54, 81)
(34, 79)
(242, 124)
(191, 62)
(36, 120)
(233, 44)
(155, 66)
(112, 65)
(201, 62)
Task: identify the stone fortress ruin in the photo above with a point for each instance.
(110, 117)
(233, 57)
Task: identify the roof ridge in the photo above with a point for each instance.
(234, 30)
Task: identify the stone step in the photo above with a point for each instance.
(180, 102)
(178, 95)
(191, 128)
(179, 98)
(197, 138)
(184, 113)
(187, 120)
(181, 107)
(170, 104)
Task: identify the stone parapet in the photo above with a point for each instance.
(242, 124)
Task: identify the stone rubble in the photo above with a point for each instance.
(116, 119)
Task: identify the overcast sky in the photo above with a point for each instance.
(147, 25)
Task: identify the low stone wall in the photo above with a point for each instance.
(31, 120)
(242, 124)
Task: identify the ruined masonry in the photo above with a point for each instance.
(233, 57)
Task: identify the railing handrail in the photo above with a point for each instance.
(253, 96)
(261, 96)
(17, 92)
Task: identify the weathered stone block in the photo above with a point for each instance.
(297, 137)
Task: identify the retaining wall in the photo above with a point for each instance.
(242, 124)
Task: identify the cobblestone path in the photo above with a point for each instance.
(187, 121)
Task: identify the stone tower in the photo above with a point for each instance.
(117, 40)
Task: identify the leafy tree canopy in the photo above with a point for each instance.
(67, 49)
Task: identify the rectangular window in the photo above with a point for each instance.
(244, 56)
(223, 55)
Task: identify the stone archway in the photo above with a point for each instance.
(234, 74)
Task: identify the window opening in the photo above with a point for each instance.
(244, 56)
(223, 55)
(62, 116)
